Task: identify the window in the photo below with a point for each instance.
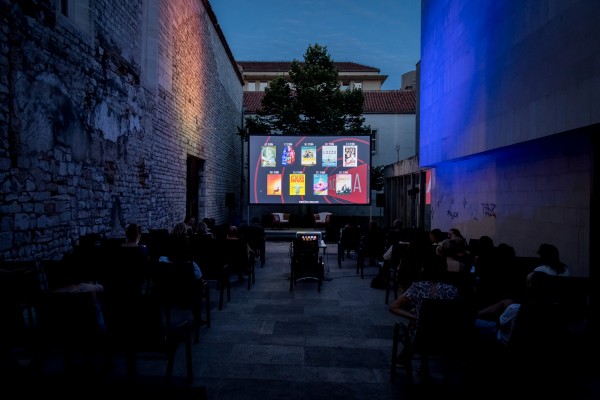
(345, 86)
(251, 86)
(373, 141)
(358, 85)
(262, 86)
(78, 12)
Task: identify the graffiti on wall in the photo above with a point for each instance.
(489, 209)
(472, 211)
(453, 214)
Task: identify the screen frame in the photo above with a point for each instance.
(360, 194)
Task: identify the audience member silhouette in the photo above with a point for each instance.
(496, 322)
(232, 255)
(191, 225)
(255, 236)
(454, 233)
(453, 251)
(432, 283)
(133, 235)
(350, 237)
(393, 233)
(550, 261)
(202, 230)
(374, 243)
(497, 276)
(415, 254)
(436, 236)
(179, 249)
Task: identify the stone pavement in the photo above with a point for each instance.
(273, 343)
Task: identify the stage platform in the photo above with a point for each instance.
(287, 235)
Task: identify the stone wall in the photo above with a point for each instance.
(99, 119)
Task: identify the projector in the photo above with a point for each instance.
(309, 236)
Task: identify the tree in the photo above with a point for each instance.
(377, 178)
(310, 102)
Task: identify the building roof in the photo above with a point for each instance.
(252, 101)
(285, 66)
(389, 102)
(376, 102)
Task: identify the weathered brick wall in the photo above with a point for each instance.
(86, 146)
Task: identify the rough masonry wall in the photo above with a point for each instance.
(202, 77)
(84, 147)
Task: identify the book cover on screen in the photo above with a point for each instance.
(267, 156)
(309, 155)
(274, 185)
(288, 155)
(343, 184)
(329, 156)
(350, 156)
(297, 184)
(320, 184)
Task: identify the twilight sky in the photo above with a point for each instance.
(385, 34)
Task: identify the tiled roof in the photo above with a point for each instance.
(389, 102)
(284, 66)
(252, 101)
(376, 102)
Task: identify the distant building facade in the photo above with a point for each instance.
(409, 80)
(113, 113)
(258, 74)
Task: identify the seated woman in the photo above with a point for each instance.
(178, 248)
(126, 268)
(458, 265)
(550, 261)
(133, 234)
(237, 252)
(350, 237)
(431, 284)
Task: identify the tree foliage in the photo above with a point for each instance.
(310, 102)
(377, 178)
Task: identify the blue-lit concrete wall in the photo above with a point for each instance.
(509, 99)
(495, 73)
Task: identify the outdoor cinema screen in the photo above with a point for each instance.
(309, 169)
